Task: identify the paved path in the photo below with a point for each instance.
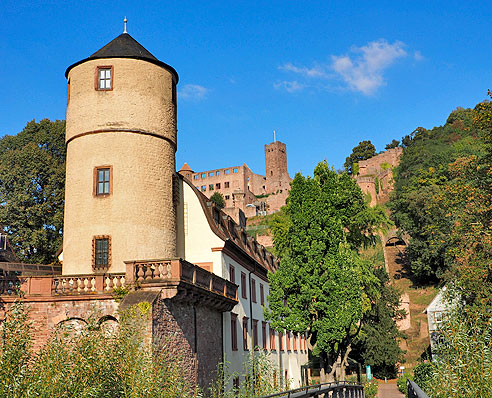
(389, 390)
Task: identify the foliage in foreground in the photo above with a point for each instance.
(371, 389)
(32, 189)
(87, 362)
(259, 377)
(463, 367)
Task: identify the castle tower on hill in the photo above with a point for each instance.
(277, 177)
(121, 144)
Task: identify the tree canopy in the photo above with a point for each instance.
(322, 285)
(393, 144)
(218, 199)
(363, 151)
(32, 189)
(420, 205)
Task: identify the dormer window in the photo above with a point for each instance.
(104, 79)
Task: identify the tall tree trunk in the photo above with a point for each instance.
(322, 367)
(331, 377)
(344, 363)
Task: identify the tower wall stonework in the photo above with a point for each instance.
(132, 129)
(277, 176)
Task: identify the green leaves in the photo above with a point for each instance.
(322, 285)
(32, 189)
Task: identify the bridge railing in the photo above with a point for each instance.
(414, 391)
(342, 389)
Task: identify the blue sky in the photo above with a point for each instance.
(323, 74)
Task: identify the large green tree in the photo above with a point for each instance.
(322, 285)
(32, 189)
(378, 342)
(363, 151)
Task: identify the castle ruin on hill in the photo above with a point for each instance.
(375, 175)
(247, 194)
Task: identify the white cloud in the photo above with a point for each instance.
(316, 71)
(362, 70)
(417, 55)
(193, 92)
(289, 86)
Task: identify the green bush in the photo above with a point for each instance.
(371, 389)
(422, 374)
(88, 360)
(401, 383)
(258, 378)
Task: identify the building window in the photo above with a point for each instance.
(262, 295)
(204, 175)
(253, 290)
(204, 188)
(232, 274)
(294, 342)
(281, 341)
(234, 331)
(210, 187)
(102, 180)
(272, 339)
(245, 334)
(235, 385)
(227, 197)
(217, 186)
(104, 79)
(226, 171)
(217, 173)
(263, 334)
(287, 338)
(211, 174)
(226, 184)
(195, 177)
(243, 286)
(3, 242)
(255, 334)
(235, 170)
(438, 318)
(101, 252)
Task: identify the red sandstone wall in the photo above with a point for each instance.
(193, 333)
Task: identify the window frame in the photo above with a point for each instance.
(255, 335)
(97, 267)
(262, 294)
(232, 274)
(264, 334)
(234, 331)
(253, 290)
(245, 334)
(95, 192)
(96, 79)
(273, 346)
(244, 290)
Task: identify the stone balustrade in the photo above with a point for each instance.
(155, 272)
(139, 275)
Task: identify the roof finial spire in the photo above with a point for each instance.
(125, 25)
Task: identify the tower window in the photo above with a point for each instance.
(104, 78)
(226, 184)
(235, 170)
(101, 252)
(102, 181)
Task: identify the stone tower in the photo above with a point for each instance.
(121, 144)
(277, 177)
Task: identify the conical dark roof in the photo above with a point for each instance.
(125, 46)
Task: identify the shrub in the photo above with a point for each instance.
(88, 360)
(401, 383)
(371, 389)
(422, 374)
